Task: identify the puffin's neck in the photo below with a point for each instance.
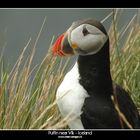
(94, 72)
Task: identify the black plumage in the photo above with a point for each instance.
(98, 109)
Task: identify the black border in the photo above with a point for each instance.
(70, 4)
(45, 134)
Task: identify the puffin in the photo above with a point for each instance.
(85, 94)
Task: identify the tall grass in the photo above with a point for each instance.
(29, 103)
(125, 60)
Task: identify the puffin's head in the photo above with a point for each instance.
(84, 37)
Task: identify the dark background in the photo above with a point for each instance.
(18, 25)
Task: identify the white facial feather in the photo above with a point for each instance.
(90, 43)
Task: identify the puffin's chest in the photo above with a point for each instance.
(70, 94)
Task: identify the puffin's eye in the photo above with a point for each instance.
(85, 31)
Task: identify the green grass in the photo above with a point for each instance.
(29, 103)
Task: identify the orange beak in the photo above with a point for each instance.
(62, 46)
(57, 47)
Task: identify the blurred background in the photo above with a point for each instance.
(18, 25)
